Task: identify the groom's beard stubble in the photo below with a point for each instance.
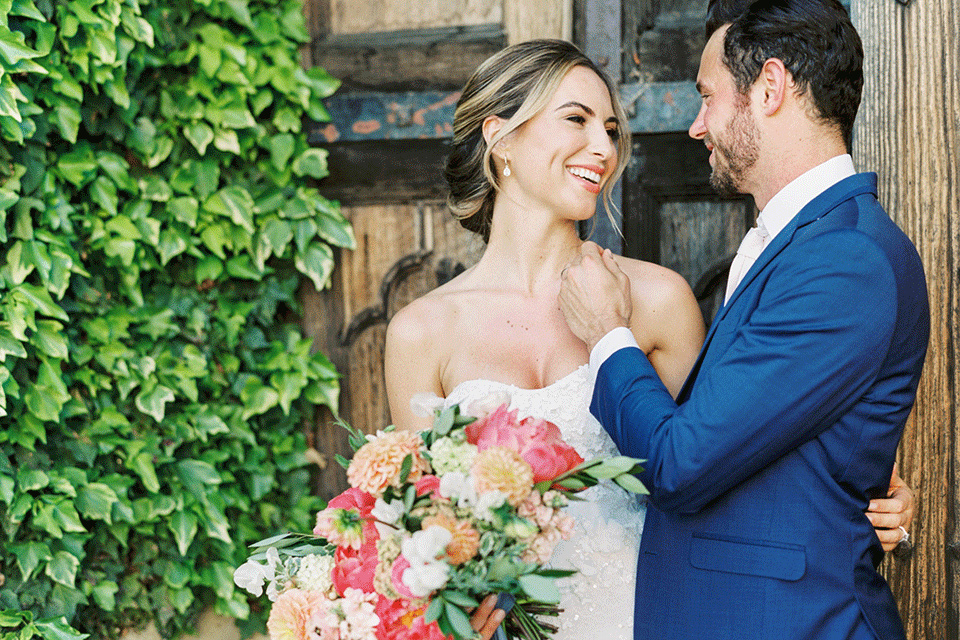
(736, 153)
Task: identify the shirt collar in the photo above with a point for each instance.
(800, 192)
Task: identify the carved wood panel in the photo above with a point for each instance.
(403, 251)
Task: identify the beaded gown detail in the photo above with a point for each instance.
(597, 601)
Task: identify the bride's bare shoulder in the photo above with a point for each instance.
(653, 285)
(426, 319)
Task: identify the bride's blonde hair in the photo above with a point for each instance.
(514, 84)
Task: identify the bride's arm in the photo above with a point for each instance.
(667, 322)
(411, 363)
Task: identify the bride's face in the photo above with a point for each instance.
(561, 158)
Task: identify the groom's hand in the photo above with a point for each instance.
(594, 294)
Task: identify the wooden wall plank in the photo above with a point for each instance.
(909, 132)
(528, 19)
(409, 60)
(363, 16)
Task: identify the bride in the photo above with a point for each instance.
(538, 135)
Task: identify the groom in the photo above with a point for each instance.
(761, 470)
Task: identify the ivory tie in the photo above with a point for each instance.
(753, 243)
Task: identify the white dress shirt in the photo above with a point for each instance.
(778, 213)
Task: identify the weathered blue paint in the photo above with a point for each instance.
(386, 116)
(652, 108)
(660, 107)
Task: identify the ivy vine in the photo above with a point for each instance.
(156, 220)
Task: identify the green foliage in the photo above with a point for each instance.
(157, 218)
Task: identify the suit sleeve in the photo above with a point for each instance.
(805, 355)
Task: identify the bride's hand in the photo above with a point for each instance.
(594, 294)
(487, 618)
(888, 514)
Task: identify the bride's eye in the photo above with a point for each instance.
(577, 118)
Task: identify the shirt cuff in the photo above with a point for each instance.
(617, 339)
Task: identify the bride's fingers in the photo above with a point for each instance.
(486, 631)
(482, 613)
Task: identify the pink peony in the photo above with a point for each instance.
(355, 568)
(403, 620)
(291, 613)
(537, 441)
(400, 565)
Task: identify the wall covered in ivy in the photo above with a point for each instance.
(156, 219)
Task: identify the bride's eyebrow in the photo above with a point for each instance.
(588, 110)
(574, 103)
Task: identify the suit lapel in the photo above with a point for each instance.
(814, 210)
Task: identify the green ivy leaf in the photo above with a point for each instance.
(59, 629)
(29, 555)
(234, 202)
(50, 339)
(105, 594)
(257, 398)
(63, 568)
(153, 400)
(316, 263)
(200, 136)
(13, 46)
(281, 149)
(95, 501)
(313, 163)
(27, 9)
(142, 465)
(181, 599)
(31, 479)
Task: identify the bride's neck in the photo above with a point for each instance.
(528, 254)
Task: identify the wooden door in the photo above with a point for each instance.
(908, 131)
(402, 64)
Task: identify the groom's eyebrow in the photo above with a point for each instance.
(574, 103)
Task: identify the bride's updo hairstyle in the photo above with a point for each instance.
(515, 84)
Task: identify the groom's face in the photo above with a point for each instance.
(725, 122)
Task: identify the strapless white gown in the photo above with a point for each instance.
(597, 601)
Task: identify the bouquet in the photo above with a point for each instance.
(432, 523)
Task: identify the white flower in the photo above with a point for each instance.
(425, 404)
(458, 486)
(422, 580)
(426, 573)
(316, 572)
(251, 575)
(488, 404)
(387, 515)
(487, 502)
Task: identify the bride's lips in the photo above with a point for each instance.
(589, 176)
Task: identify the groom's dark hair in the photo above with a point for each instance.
(814, 39)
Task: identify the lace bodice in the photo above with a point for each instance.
(598, 599)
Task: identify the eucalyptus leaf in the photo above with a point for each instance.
(539, 588)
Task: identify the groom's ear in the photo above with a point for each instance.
(773, 83)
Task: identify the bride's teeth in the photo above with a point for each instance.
(586, 174)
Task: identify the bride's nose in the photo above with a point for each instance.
(602, 145)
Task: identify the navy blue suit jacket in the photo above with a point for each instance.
(787, 426)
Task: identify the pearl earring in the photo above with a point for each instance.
(506, 169)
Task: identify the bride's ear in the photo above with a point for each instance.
(490, 128)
